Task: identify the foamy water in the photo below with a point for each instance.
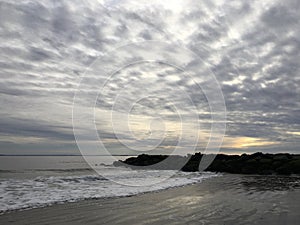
(69, 185)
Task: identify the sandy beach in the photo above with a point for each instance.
(229, 199)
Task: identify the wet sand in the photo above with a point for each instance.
(230, 199)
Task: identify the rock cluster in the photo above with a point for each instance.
(257, 163)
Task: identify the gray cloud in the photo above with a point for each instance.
(46, 46)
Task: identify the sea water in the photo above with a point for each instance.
(38, 181)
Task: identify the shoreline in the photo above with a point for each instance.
(103, 198)
(141, 193)
(227, 199)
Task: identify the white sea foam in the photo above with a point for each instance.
(42, 191)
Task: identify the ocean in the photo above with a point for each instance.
(37, 181)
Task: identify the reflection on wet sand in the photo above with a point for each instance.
(270, 183)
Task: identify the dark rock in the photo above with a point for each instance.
(257, 163)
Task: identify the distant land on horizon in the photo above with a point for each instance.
(242, 153)
(221, 153)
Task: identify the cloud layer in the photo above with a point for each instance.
(47, 46)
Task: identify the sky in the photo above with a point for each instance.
(146, 72)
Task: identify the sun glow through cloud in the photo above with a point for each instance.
(246, 142)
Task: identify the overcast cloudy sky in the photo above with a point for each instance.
(252, 48)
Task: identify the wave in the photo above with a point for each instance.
(19, 194)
